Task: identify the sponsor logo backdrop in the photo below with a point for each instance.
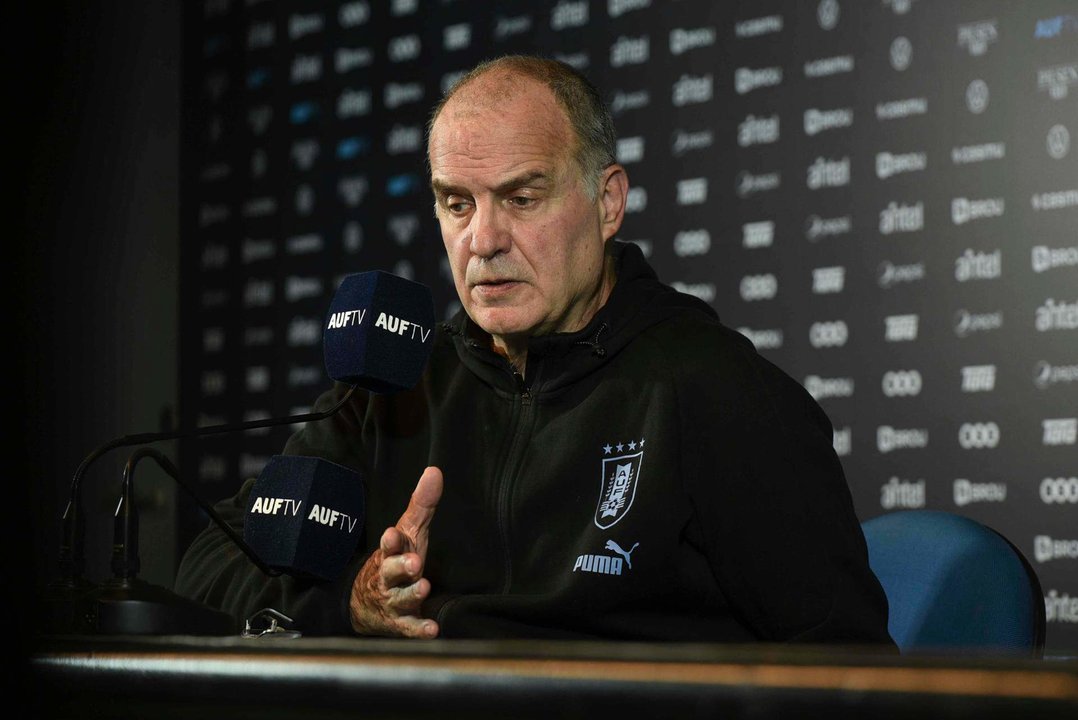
(882, 195)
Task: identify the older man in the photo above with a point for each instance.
(598, 456)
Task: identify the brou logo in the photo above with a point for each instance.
(617, 488)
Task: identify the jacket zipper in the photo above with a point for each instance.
(509, 473)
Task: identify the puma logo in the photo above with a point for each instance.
(611, 545)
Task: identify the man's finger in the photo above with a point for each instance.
(420, 511)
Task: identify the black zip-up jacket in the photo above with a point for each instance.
(651, 478)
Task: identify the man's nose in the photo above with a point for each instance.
(490, 233)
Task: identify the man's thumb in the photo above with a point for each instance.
(425, 497)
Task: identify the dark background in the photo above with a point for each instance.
(105, 99)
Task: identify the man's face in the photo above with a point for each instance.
(524, 241)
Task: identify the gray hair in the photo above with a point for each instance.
(588, 115)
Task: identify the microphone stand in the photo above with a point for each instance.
(126, 605)
(66, 597)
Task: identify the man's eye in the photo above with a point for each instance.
(521, 201)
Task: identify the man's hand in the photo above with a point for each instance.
(390, 587)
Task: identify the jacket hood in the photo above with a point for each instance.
(637, 301)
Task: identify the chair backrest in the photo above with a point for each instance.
(955, 585)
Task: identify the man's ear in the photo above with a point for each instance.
(613, 193)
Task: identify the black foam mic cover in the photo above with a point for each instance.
(379, 331)
(305, 516)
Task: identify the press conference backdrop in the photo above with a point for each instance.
(882, 195)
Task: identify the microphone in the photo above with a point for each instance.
(378, 336)
(305, 516)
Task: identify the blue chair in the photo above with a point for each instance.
(955, 586)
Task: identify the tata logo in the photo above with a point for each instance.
(977, 436)
(900, 328)
(978, 378)
(758, 234)
(692, 191)
(826, 280)
(1060, 431)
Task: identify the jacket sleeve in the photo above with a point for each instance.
(774, 513)
(214, 571)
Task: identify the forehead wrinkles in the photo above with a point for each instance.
(498, 120)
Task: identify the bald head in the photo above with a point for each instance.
(497, 82)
